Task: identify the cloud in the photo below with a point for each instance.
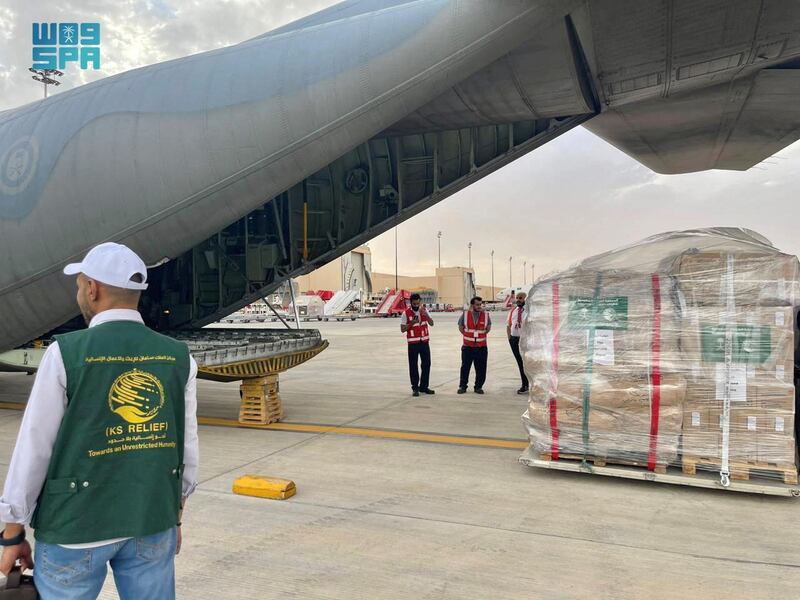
(135, 33)
(8, 23)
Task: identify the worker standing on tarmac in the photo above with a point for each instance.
(474, 325)
(414, 323)
(107, 450)
(516, 317)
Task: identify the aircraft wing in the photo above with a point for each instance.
(733, 125)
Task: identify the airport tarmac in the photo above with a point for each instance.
(385, 517)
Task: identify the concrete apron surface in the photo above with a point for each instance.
(389, 518)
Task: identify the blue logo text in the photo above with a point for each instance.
(57, 44)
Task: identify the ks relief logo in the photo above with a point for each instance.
(57, 44)
(136, 396)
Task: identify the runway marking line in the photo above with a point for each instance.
(391, 434)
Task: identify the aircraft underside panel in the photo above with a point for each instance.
(358, 196)
(729, 126)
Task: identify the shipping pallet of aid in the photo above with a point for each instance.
(670, 361)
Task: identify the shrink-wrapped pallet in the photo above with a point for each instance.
(740, 353)
(602, 345)
(679, 347)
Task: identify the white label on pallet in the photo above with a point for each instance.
(780, 372)
(604, 347)
(780, 319)
(737, 383)
(695, 419)
(779, 424)
(697, 372)
(751, 371)
(751, 423)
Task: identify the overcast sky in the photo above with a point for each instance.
(574, 197)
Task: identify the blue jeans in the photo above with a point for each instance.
(144, 568)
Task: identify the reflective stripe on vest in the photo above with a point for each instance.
(474, 333)
(417, 333)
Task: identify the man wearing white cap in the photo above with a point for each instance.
(107, 451)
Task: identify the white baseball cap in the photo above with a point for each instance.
(112, 264)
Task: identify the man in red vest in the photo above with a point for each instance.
(474, 326)
(516, 318)
(414, 323)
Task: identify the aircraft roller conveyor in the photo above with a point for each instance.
(254, 356)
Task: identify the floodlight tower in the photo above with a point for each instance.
(45, 76)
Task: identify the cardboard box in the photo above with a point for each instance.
(776, 396)
(762, 341)
(759, 279)
(711, 395)
(703, 444)
(623, 391)
(756, 435)
(614, 313)
(697, 418)
(618, 420)
(778, 450)
(776, 423)
(743, 446)
(773, 396)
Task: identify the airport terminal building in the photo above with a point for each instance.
(353, 271)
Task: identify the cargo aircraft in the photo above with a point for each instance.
(234, 170)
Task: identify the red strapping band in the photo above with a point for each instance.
(655, 370)
(554, 378)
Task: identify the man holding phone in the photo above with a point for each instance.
(414, 323)
(514, 324)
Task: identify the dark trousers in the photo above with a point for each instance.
(513, 341)
(478, 356)
(419, 353)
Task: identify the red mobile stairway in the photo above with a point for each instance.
(394, 303)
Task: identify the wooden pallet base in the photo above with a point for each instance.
(261, 401)
(673, 476)
(602, 461)
(742, 470)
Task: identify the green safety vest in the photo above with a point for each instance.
(117, 462)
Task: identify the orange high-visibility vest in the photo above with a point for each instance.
(419, 332)
(475, 333)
